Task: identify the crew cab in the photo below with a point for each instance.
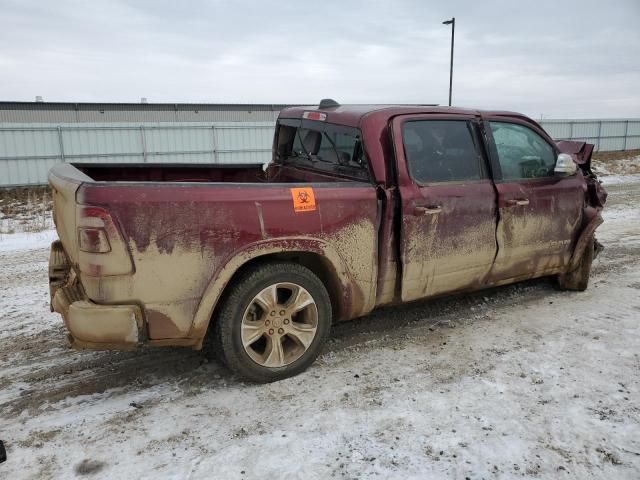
(361, 207)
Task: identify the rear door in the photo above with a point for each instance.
(448, 204)
(539, 213)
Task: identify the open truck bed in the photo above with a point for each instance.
(145, 251)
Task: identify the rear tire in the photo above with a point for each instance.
(578, 279)
(273, 322)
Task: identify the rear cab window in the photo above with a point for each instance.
(442, 151)
(322, 146)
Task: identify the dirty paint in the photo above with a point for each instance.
(185, 233)
(182, 250)
(539, 237)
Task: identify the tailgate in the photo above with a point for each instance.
(64, 180)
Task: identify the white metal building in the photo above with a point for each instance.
(36, 135)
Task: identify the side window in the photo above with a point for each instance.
(322, 146)
(331, 145)
(522, 153)
(441, 151)
(338, 147)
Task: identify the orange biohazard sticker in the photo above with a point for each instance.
(303, 199)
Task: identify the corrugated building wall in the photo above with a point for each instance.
(605, 134)
(35, 136)
(53, 112)
(28, 151)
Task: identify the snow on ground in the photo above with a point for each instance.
(618, 179)
(517, 381)
(12, 242)
(624, 165)
(614, 171)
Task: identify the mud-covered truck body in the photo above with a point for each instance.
(362, 206)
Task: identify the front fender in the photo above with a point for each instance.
(594, 220)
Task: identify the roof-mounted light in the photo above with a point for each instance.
(315, 116)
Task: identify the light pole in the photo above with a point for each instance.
(451, 22)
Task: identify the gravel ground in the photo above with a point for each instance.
(516, 381)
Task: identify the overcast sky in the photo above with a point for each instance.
(550, 58)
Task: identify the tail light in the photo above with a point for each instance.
(102, 249)
(93, 240)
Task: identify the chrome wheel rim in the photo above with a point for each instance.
(279, 325)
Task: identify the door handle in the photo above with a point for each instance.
(519, 202)
(421, 211)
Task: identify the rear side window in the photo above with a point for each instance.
(324, 146)
(522, 153)
(327, 146)
(441, 151)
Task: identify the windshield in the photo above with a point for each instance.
(323, 146)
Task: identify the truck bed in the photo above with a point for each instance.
(228, 173)
(177, 233)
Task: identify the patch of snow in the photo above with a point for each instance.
(618, 171)
(12, 242)
(619, 179)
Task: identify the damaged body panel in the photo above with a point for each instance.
(380, 205)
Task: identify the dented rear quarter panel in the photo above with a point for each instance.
(187, 240)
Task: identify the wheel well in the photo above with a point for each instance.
(319, 265)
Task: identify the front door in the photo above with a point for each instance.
(448, 204)
(539, 213)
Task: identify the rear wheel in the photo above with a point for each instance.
(273, 323)
(578, 279)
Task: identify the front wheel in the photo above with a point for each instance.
(273, 323)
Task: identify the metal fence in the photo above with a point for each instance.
(606, 135)
(27, 151)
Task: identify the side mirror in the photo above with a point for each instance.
(565, 166)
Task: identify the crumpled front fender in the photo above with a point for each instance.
(593, 221)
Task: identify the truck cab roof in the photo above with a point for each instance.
(373, 121)
(354, 115)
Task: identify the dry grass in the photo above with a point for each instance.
(618, 155)
(617, 163)
(25, 209)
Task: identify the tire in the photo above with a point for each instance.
(273, 322)
(578, 279)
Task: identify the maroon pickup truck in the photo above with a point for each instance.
(362, 206)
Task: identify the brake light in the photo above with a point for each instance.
(95, 217)
(102, 248)
(315, 116)
(95, 226)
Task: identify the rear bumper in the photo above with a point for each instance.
(91, 326)
(94, 326)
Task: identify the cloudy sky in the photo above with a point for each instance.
(546, 58)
